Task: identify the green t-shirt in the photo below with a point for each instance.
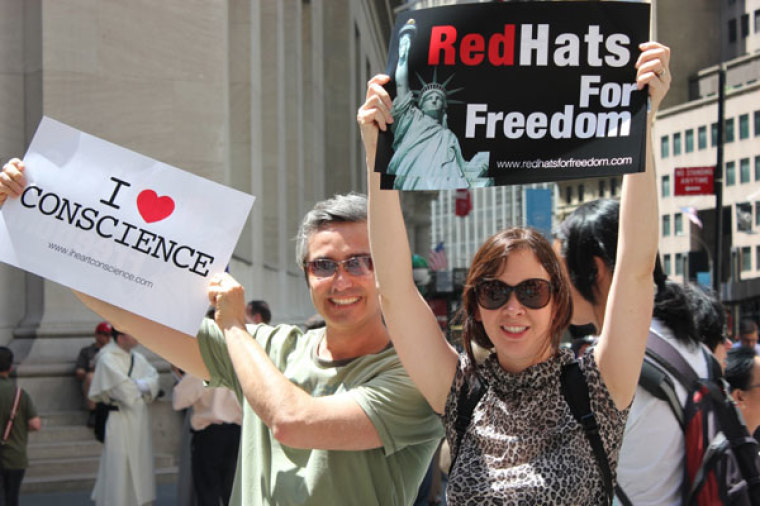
(271, 473)
(13, 453)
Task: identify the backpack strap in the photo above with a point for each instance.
(469, 397)
(668, 358)
(657, 382)
(575, 391)
(12, 417)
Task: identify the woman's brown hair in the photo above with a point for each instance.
(490, 260)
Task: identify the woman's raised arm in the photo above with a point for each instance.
(623, 336)
(426, 355)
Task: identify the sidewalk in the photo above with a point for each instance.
(166, 495)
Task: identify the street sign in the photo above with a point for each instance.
(694, 181)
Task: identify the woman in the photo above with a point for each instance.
(523, 446)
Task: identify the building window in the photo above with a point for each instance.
(744, 217)
(744, 126)
(746, 259)
(679, 264)
(714, 134)
(757, 216)
(757, 20)
(665, 225)
(702, 137)
(568, 194)
(613, 187)
(744, 170)
(667, 266)
(757, 255)
(602, 187)
(666, 186)
(581, 193)
(664, 146)
(729, 131)
(730, 173)
(757, 168)
(732, 31)
(757, 123)
(689, 140)
(676, 143)
(745, 25)
(678, 224)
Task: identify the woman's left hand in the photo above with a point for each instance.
(653, 69)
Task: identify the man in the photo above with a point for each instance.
(748, 335)
(215, 427)
(125, 380)
(743, 375)
(85, 365)
(330, 416)
(13, 459)
(257, 311)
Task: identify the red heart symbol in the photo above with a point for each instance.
(152, 207)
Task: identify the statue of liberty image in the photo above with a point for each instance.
(426, 154)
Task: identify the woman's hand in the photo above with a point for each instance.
(653, 69)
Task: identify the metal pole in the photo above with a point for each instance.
(718, 185)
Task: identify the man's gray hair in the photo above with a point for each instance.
(349, 208)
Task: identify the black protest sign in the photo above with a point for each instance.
(511, 93)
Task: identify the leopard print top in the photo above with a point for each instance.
(523, 445)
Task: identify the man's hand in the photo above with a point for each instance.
(12, 180)
(228, 298)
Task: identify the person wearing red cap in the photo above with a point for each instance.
(85, 365)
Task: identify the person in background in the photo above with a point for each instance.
(257, 311)
(14, 436)
(127, 382)
(743, 376)
(85, 365)
(748, 335)
(709, 321)
(215, 427)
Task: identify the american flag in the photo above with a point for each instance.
(691, 213)
(437, 259)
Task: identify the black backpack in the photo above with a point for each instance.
(721, 462)
(574, 390)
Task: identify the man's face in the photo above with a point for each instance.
(346, 301)
(749, 340)
(101, 339)
(750, 403)
(127, 342)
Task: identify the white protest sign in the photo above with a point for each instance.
(121, 227)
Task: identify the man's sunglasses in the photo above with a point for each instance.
(326, 267)
(532, 293)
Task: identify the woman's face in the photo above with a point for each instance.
(520, 335)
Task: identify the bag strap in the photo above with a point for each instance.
(668, 358)
(469, 397)
(575, 391)
(14, 411)
(657, 382)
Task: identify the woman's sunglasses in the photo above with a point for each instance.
(326, 267)
(532, 293)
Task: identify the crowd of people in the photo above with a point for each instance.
(353, 409)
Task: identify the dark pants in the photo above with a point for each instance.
(10, 486)
(214, 459)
